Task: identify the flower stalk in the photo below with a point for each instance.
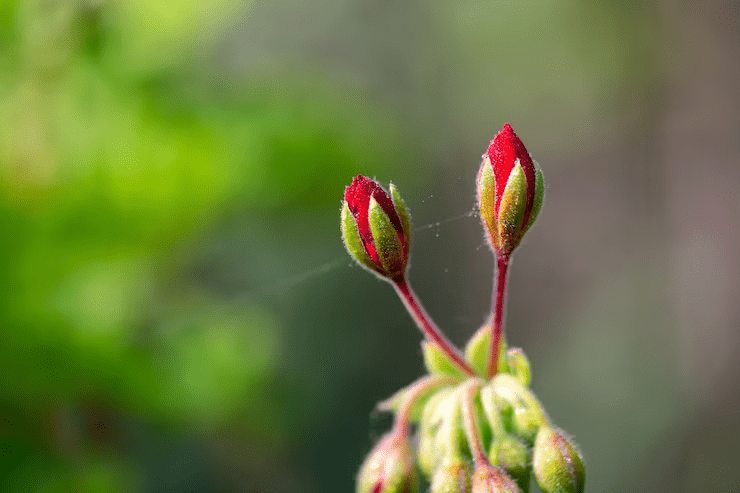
(499, 297)
(428, 327)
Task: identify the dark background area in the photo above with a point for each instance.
(177, 311)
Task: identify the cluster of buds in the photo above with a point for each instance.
(479, 426)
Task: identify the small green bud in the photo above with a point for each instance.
(557, 463)
(438, 363)
(510, 453)
(450, 438)
(478, 351)
(526, 414)
(492, 479)
(519, 366)
(389, 468)
(432, 417)
(452, 476)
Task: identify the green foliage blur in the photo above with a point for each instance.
(128, 161)
(177, 312)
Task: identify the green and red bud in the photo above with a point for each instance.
(390, 467)
(510, 191)
(557, 463)
(492, 479)
(376, 227)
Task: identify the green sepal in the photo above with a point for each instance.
(519, 366)
(511, 208)
(353, 242)
(522, 410)
(478, 351)
(487, 200)
(438, 363)
(403, 214)
(557, 463)
(385, 237)
(539, 196)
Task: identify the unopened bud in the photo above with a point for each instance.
(452, 476)
(478, 351)
(432, 418)
(438, 363)
(375, 227)
(519, 366)
(513, 455)
(492, 479)
(510, 191)
(558, 465)
(389, 468)
(526, 413)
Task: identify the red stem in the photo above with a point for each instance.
(502, 267)
(428, 327)
(418, 390)
(471, 426)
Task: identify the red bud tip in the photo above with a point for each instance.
(503, 152)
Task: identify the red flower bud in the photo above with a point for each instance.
(376, 228)
(510, 190)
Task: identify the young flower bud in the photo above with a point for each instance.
(510, 453)
(432, 418)
(519, 365)
(438, 363)
(558, 466)
(492, 479)
(478, 351)
(389, 468)
(510, 190)
(525, 414)
(375, 227)
(452, 476)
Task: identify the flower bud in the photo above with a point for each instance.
(432, 417)
(510, 453)
(438, 363)
(478, 351)
(375, 227)
(558, 466)
(519, 365)
(492, 479)
(510, 191)
(452, 476)
(389, 468)
(525, 412)
(441, 430)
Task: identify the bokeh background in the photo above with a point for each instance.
(178, 314)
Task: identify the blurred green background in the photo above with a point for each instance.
(178, 314)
